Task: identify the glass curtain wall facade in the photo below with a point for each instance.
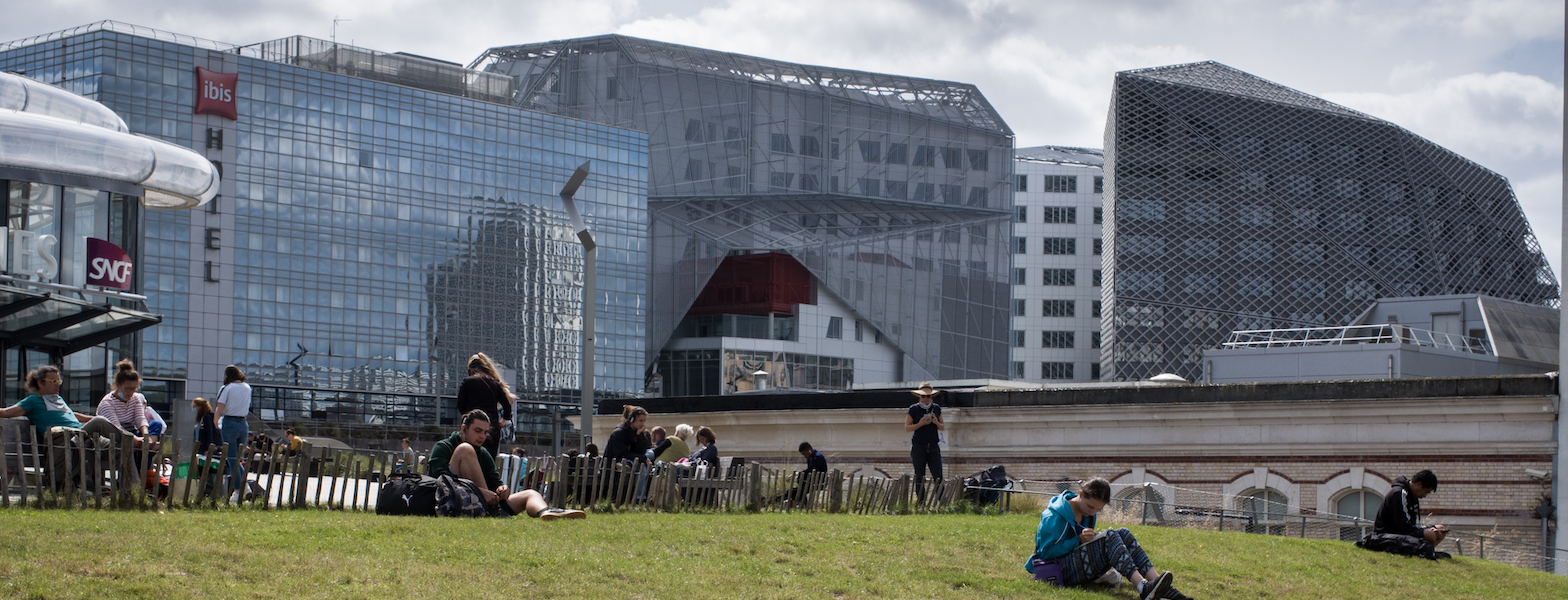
(382, 218)
(1237, 203)
(893, 191)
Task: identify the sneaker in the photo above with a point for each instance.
(1153, 590)
(1437, 555)
(551, 514)
(1175, 595)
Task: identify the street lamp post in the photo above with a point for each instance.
(590, 295)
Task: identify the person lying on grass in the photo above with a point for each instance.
(1067, 537)
(464, 455)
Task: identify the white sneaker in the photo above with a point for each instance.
(234, 498)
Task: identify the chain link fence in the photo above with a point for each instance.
(1265, 514)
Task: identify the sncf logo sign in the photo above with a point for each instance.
(215, 93)
(108, 265)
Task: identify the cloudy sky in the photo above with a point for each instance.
(1483, 78)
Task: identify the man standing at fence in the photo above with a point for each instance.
(924, 420)
(464, 455)
(1395, 529)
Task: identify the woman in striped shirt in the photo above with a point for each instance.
(124, 406)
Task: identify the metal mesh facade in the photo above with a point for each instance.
(893, 191)
(1236, 203)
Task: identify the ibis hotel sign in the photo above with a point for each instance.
(215, 93)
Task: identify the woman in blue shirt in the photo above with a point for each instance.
(1067, 537)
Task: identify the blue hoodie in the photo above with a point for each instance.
(1058, 534)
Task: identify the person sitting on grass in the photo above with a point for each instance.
(1067, 537)
(1395, 530)
(463, 455)
(815, 463)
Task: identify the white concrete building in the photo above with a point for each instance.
(1055, 333)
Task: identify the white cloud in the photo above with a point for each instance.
(1427, 65)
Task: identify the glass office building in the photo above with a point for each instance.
(381, 217)
(74, 186)
(1235, 203)
(894, 192)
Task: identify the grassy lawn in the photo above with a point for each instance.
(309, 554)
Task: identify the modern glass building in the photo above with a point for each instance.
(381, 217)
(893, 192)
(1057, 216)
(1235, 203)
(76, 186)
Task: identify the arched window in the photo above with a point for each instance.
(1142, 502)
(1264, 510)
(1360, 504)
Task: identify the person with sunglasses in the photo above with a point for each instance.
(54, 419)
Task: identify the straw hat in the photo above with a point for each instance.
(925, 389)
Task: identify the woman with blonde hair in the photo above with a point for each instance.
(483, 390)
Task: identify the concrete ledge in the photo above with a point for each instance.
(1141, 393)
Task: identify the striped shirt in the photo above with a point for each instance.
(131, 415)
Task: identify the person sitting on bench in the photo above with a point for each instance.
(1067, 542)
(54, 420)
(463, 455)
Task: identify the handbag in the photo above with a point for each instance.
(1047, 571)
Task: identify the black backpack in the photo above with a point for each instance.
(993, 477)
(407, 494)
(1393, 543)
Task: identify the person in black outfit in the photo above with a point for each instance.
(707, 451)
(1396, 530)
(924, 420)
(630, 440)
(815, 463)
(484, 390)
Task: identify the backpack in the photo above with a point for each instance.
(1394, 543)
(458, 497)
(993, 477)
(407, 494)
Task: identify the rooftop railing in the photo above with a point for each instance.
(1387, 333)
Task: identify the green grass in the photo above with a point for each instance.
(310, 554)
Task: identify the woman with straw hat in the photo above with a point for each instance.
(924, 421)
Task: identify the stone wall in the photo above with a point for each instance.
(1310, 442)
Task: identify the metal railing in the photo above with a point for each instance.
(1388, 333)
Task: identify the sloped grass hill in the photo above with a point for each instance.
(310, 554)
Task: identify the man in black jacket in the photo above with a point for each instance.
(815, 463)
(1396, 529)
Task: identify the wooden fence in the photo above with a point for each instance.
(72, 470)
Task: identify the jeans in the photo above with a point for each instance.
(234, 433)
(925, 455)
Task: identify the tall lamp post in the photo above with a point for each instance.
(590, 295)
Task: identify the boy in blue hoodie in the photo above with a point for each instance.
(1067, 536)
